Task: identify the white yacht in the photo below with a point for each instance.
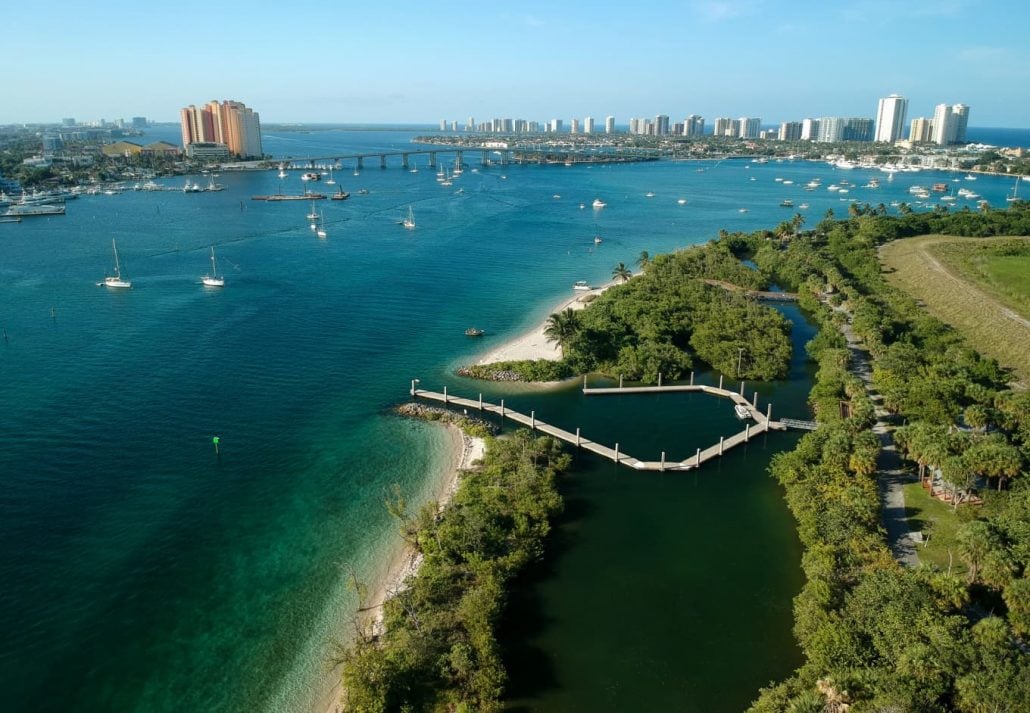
(116, 280)
(214, 279)
(598, 203)
(682, 201)
(320, 231)
(742, 412)
(582, 286)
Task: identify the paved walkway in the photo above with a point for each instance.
(890, 476)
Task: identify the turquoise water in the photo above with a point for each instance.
(143, 572)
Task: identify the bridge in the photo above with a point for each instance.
(503, 156)
(756, 294)
(763, 422)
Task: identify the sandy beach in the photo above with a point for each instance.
(465, 451)
(533, 344)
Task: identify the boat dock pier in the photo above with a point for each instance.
(763, 422)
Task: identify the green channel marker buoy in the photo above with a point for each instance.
(215, 440)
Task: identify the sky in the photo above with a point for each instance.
(387, 61)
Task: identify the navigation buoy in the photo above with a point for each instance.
(215, 441)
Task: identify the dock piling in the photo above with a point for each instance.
(445, 394)
(662, 467)
(721, 439)
(747, 432)
(577, 436)
(691, 378)
(741, 388)
(697, 458)
(480, 400)
(616, 452)
(768, 412)
(532, 420)
(584, 381)
(620, 381)
(756, 400)
(720, 382)
(502, 412)
(659, 379)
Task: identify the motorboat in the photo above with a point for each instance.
(582, 286)
(598, 203)
(474, 332)
(742, 412)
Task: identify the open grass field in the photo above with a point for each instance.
(939, 524)
(980, 286)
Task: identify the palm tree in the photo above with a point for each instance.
(644, 260)
(621, 272)
(561, 327)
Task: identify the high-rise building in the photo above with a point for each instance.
(139, 122)
(919, 133)
(943, 125)
(693, 125)
(960, 113)
(443, 124)
(789, 131)
(609, 125)
(749, 128)
(574, 129)
(634, 125)
(588, 125)
(68, 122)
(890, 118)
(230, 123)
(556, 125)
(661, 125)
(723, 127)
(810, 130)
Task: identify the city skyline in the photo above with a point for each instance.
(401, 63)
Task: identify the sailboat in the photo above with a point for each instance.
(409, 222)
(331, 181)
(414, 168)
(313, 215)
(1015, 192)
(116, 280)
(213, 280)
(321, 226)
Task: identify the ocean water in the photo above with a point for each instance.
(143, 572)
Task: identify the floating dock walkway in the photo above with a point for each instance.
(763, 422)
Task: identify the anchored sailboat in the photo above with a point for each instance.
(214, 279)
(116, 280)
(409, 222)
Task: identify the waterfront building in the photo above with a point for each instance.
(694, 125)
(919, 133)
(609, 125)
(723, 126)
(556, 125)
(839, 128)
(858, 129)
(139, 122)
(588, 125)
(208, 150)
(943, 129)
(533, 127)
(831, 129)
(68, 122)
(634, 125)
(574, 128)
(960, 113)
(661, 125)
(443, 124)
(749, 128)
(230, 123)
(789, 131)
(809, 129)
(890, 118)
(768, 134)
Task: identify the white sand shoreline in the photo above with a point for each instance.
(464, 452)
(533, 344)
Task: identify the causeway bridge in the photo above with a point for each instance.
(488, 156)
(762, 421)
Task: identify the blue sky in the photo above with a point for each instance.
(419, 62)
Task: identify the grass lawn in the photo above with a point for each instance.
(938, 520)
(977, 285)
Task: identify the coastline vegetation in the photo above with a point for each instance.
(877, 636)
(665, 320)
(438, 649)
